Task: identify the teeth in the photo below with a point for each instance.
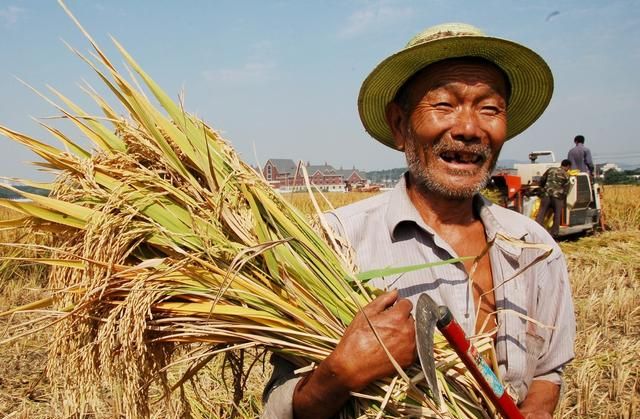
(466, 158)
(449, 156)
(454, 156)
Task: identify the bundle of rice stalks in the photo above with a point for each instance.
(166, 244)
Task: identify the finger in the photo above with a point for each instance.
(410, 325)
(381, 303)
(403, 307)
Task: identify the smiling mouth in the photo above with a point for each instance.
(462, 157)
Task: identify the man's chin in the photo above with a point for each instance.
(446, 180)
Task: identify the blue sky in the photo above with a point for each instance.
(282, 77)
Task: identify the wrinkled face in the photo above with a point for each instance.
(451, 126)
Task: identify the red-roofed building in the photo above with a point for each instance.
(285, 175)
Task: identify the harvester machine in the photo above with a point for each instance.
(519, 190)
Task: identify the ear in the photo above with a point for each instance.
(397, 119)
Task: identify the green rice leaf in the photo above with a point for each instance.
(380, 273)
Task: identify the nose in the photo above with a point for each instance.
(466, 126)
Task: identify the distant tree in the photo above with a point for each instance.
(614, 177)
(7, 194)
(34, 190)
(385, 176)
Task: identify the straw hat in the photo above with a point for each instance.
(529, 75)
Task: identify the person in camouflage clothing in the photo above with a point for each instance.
(555, 185)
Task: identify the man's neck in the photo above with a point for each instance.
(439, 211)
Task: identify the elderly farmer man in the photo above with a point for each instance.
(445, 100)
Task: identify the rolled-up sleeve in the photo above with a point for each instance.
(555, 307)
(278, 393)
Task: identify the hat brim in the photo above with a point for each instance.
(529, 75)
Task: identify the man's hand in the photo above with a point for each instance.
(359, 359)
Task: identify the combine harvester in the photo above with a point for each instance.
(520, 191)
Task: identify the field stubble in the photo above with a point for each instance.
(602, 382)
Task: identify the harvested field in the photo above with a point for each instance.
(326, 200)
(602, 382)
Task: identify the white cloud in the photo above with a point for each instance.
(249, 72)
(373, 15)
(9, 15)
(260, 66)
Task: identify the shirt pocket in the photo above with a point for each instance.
(534, 346)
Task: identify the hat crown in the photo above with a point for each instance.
(445, 30)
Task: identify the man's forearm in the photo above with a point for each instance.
(542, 397)
(319, 395)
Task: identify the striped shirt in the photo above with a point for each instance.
(388, 231)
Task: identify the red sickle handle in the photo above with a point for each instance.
(477, 365)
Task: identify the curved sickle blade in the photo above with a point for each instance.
(426, 318)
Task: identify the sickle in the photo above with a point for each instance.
(426, 319)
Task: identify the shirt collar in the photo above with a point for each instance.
(401, 209)
(510, 227)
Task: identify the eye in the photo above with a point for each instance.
(490, 110)
(442, 105)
